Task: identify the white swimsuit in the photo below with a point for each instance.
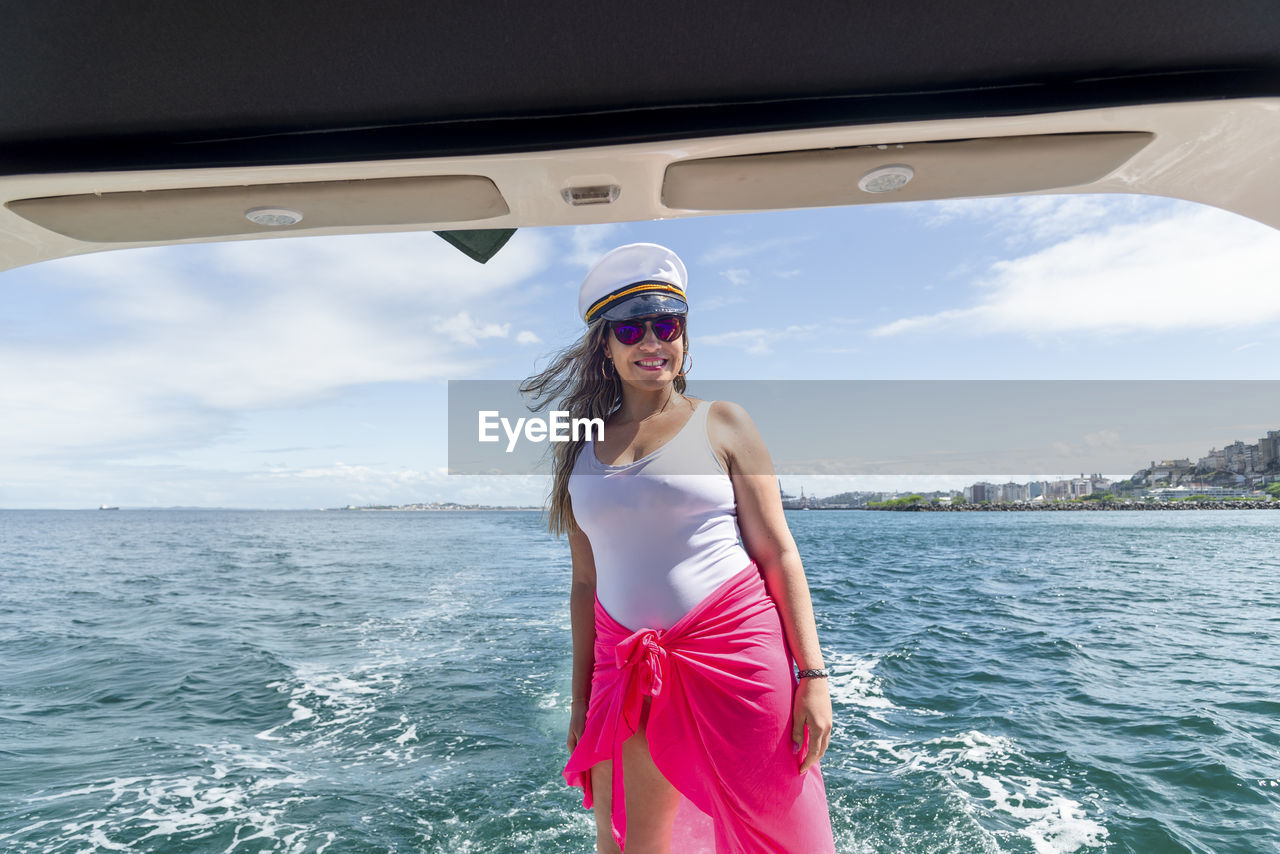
(663, 529)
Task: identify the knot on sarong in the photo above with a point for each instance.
(643, 650)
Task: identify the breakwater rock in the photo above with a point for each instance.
(1073, 506)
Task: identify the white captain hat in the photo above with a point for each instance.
(635, 280)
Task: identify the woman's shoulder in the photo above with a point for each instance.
(726, 413)
(736, 440)
(730, 427)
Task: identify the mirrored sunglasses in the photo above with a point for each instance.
(666, 328)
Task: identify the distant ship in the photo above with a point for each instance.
(105, 507)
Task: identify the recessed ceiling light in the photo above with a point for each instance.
(602, 194)
(273, 216)
(886, 179)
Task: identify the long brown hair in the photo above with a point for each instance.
(582, 382)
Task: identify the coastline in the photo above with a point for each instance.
(480, 508)
(1074, 506)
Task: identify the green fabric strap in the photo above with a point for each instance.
(479, 245)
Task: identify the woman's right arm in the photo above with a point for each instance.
(582, 616)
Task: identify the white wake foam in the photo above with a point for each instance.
(147, 810)
(989, 774)
(853, 682)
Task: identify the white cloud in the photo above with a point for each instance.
(356, 473)
(1026, 219)
(588, 242)
(1102, 439)
(363, 484)
(80, 483)
(737, 277)
(463, 330)
(730, 251)
(1198, 268)
(527, 337)
(715, 302)
(355, 266)
(756, 342)
(184, 339)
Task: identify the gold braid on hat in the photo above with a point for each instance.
(609, 300)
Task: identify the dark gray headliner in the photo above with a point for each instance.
(154, 84)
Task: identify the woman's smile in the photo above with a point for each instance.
(656, 362)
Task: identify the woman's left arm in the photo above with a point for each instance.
(769, 543)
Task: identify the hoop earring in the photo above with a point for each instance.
(683, 369)
(604, 368)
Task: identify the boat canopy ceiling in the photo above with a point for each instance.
(151, 123)
(155, 84)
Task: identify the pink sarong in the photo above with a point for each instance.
(719, 726)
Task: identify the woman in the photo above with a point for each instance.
(682, 639)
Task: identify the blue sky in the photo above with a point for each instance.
(310, 372)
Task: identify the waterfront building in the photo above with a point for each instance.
(1168, 472)
(1186, 490)
(1215, 460)
(1057, 490)
(980, 492)
(1269, 450)
(1015, 492)
(1241, 458)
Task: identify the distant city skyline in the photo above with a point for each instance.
(1253, 465)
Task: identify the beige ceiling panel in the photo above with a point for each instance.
(171, 215)
(941, 170)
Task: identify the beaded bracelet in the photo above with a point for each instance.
(813, 674)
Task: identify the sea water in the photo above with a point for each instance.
(182, 681)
